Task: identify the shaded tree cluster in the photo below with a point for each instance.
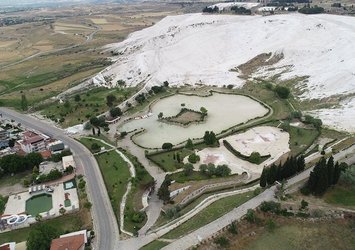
(214, 9)
(325, 174)
(307, 9)
(15, 163)
(210, 138)
(211, 170)
(274, 173)
(241, 10)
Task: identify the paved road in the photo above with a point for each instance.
(105, 224)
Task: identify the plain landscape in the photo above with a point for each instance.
(177, 125)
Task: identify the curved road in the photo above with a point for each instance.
(105, 223)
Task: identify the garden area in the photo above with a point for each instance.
(209, 214)
(116, 176)
(81, 107)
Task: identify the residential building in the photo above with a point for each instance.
(71, 241)
(8, 246)
(33, 142)
(56, 146)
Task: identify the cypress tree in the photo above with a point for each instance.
(178, 157)
(271, 176)
(330, 168)
(263, 177)
(322, 181)
(301, 164)
(336, 173)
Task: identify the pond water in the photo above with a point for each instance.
(224, 111)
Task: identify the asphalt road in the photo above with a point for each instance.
(105, 224)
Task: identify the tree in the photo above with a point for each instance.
(40, 237)
(24, 103)
(233, 228)
(167, 146)
(203, 168)
(282, 92)
(115, 112)
(160, 115)
(193, 158)
(210, 138)
(77, 98)
(263, 178)
(223, 170)
(203, 110)
(188, 169)
(62, 210)
(304, 204)
(95, 121)
(67, 104)
(110, 99)
(95, 147)
(163, 191)
(255, 157)
(189, 144)
(250, 216)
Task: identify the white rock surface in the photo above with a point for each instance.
(201, 49)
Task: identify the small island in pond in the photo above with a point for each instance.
(185, 117)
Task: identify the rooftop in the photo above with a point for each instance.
(75, 242)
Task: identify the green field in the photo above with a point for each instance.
(91, 103)
(116, 175)
(154, 245)
(134, 198)
(301, 139)
(65, 223)
(165, 160)
(209, 214)
(306, 235)
(89, 141)
(341, 195)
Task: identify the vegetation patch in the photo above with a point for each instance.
(186, 117)
(209, 214)
(116, 176)
(79, 108)
(154, 245)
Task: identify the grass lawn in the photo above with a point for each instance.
(154, 245)
(340, 195)
(134, 198)
(9, 180)
(116, 176)
(209, 214)
(306, 235)
(165, 160)
(66, 223)
(88, 142)
(301, 139)
(91, 103)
